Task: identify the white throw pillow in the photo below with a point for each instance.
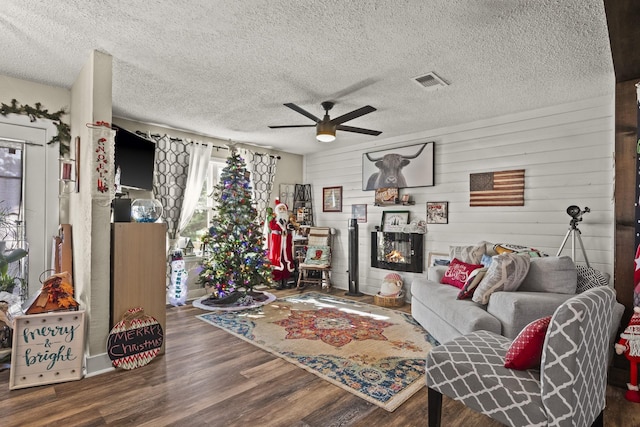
(505, 273)
(469, 254)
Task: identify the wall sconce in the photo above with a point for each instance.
(67, 175)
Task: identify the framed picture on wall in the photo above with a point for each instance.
(403, 167)
(332, 199)
(437, 212)
(359, 212)
(394, 221)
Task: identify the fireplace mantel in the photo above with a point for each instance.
(397, 251)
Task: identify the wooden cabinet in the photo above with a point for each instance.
(138, 269)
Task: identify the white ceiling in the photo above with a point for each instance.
(224, 68)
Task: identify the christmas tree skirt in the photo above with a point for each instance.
(376, 353)
(235, 302)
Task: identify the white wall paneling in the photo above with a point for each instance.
(567, 154)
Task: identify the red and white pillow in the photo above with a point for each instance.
(472, 283)
(525, 351)
(458, 273)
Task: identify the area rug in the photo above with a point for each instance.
(375, 353)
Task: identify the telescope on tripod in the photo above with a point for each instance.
(576, 216)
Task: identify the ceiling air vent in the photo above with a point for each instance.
(430, 81)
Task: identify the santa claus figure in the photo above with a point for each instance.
(281, 245)
(629, 344)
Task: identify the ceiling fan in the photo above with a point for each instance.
(326, 128)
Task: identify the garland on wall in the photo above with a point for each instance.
(34, 113)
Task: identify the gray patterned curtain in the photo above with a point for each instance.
(170, 181)
(263, 172)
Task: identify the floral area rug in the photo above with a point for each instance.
(375, 353)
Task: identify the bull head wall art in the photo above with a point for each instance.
(404, 167)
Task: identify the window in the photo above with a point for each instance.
(201, 219)
(39, 213)
(11, 174)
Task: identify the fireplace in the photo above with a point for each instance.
(397, 251)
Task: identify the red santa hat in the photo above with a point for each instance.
(279, 203)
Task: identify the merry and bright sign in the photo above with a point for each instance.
(47, 348)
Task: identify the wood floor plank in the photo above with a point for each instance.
(209, 378)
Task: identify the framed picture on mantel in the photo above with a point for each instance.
(394, 221)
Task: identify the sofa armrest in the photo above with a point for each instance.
(515, 310)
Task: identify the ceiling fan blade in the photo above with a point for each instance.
(292, 126)
(358, 130)
(294, 107)
(352, 115)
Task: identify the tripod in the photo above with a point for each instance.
(574, 232)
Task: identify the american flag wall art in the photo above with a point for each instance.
(504, 188)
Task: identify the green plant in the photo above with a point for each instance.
(4, 221)
(37, 112)
(8, 223)
(8, 281)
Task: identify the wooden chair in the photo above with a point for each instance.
(317, 259)
(567, 390)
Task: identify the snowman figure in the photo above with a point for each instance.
(177, 292)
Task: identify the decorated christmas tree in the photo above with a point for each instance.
(235, 259)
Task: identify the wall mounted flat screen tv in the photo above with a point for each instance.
(135, 156)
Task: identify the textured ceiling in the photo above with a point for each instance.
(224, 68)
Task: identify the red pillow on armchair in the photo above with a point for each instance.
(458, 273)
(525, 351)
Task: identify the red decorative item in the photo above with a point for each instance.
(629, 345)
(280, 243)
(636, 278)
(321, 325)
(458, 273)
(472, 283)
(525, 351)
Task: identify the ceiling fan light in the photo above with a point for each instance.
(325, 132)
(325, 137)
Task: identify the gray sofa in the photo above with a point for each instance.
(549, 282)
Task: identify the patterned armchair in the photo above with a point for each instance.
(568, 390)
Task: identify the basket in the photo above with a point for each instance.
(397, 301)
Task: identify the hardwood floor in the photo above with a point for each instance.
(210, 378)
